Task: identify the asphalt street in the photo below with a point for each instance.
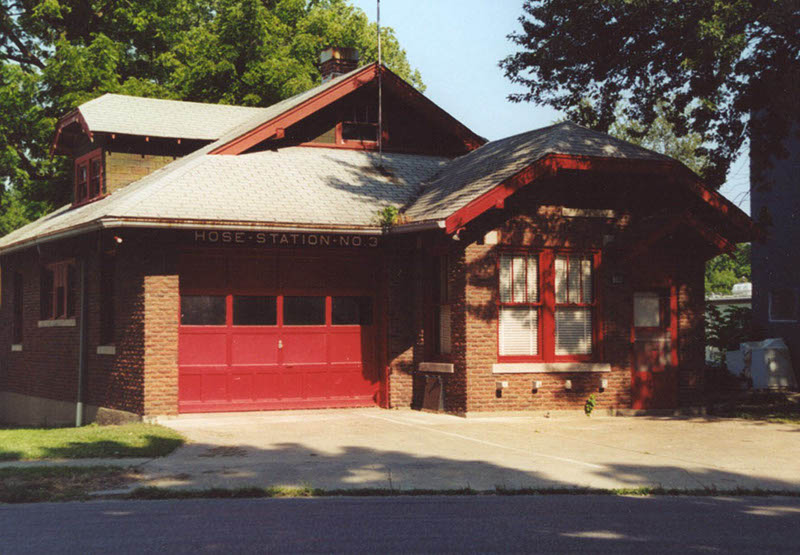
(551, 523)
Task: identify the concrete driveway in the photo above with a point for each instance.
(374, 448)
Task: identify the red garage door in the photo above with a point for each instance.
(251, 350)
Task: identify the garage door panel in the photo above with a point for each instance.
(302, 347)
(346, 347)
(202, 348)
(190, 386)
(241, 386)
(254, 347)
(291, 385)
(215, 385)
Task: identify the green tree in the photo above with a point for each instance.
(57, 54)
(724, 271)
(717, 61)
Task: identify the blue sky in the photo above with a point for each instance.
(457, 44)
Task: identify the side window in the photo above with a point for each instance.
(444, 295)
(57, 291)
(783, 305)
(107, 299)
(16, 332)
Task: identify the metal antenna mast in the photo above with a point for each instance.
(380, 93)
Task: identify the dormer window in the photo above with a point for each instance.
(89, 177)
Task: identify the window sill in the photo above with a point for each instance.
(62, 323)
(106, 350)
(16, 347)
(436, 367)
(548, 367)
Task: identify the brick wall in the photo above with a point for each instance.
(141, 377)
(123, 168)
(472, 386)
(402, 332)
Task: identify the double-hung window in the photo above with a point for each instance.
(57, 288)
(89, 176)
(520, 306)
(546, 306)
(574, 305)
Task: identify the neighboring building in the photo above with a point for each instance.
(741, 296)
(219, 258)
(775, 260)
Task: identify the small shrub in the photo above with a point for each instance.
(590, 404)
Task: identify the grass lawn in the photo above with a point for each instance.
(30, 485)
(128, 440)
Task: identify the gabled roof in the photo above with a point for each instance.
(152, 117)
(471, 184)
(468, 177)
(328, 188)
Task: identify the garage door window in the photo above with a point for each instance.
(255, 310)
(304, 311)
(351, 311)
(203, 310)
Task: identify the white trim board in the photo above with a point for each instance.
(548, 367)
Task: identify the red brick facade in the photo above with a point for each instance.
(142, 376)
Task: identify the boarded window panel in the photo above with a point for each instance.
(519, 331)
(505, 279)
(573, 331)
(646, 310)
(561, 279)
(445, 344)
(533, 279)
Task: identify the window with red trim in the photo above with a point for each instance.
(89, 176)
(547, 306)
(360, 125)
(57, 290)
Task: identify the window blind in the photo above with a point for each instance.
(573, 331)
(519, 328)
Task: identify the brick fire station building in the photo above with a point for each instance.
(222, 258)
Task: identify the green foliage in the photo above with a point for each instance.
(726, 329)
(724, 271)
(661, 137)
(590, 404)
(128, 440)
(55, 55)
(716, 62)
(390, 216)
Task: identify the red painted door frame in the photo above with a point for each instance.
(654, 355)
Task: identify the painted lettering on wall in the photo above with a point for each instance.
(280, 239)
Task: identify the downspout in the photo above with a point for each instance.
(83, 339)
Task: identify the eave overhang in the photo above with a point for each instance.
(551, 164)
